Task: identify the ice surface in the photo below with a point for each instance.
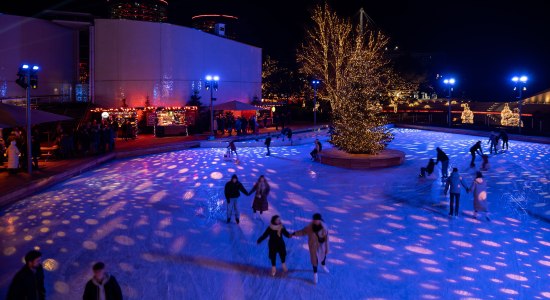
(158, 224)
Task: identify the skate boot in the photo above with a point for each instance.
(228, 220)
(324, 267)
(315, 278)
(475, 214)
(273, 271)
(237, 220)
(285, 269)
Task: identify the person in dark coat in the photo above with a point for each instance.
(260, 197)
(28, 283)
(504, 136)
(428, 169)
(476, 148)
(444, 159)
(232, 191)
(275, 231)
(268, 143)
(102, 286)
(231, 148)
(453, 184)
(315, 152)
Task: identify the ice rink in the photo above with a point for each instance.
(158, 222)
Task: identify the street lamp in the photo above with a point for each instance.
(212, 84)
(520, 83)
(449, 83)
(27, 78)
(315, 84)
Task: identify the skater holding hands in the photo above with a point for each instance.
(232, 191)
(275, 231)
(317, 234)
(261, 187)
(479, 188)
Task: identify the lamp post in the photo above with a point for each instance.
(27, 78)
(315, 84)
(449, 83)
(212, 84)
(520, 83)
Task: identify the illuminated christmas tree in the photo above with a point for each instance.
(356, 76)
(506, 116)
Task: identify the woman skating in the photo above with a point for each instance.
(260, 198)
(276, 244)
(479, 188)
(317, 234)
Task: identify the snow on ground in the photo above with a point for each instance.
(158, 222)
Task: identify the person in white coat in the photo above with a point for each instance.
(479, 188)
(13, 157)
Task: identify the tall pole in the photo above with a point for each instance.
(315, 106)
(519, 108)
(29, 148)
(212, 112)
(361, 13)
(449, 99)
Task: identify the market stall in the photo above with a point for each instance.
(125, 120)
(172, 120)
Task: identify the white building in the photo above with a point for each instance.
(37, 42)
(134, 60)
(131, 60)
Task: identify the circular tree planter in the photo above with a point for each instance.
(338, 158)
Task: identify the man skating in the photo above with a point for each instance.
(453, 183)
(28, 283)
(232, 191)
(268, 143)
(476, 148)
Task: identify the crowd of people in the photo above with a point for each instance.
(241, 125)
(454, 182)
(93, 138)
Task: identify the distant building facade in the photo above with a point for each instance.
(164, 64)
(140, 10)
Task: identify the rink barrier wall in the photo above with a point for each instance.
(485, 134)
(385, 159)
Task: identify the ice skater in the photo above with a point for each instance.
(479, 188)
(476, 148)
(28, 283)
(231, 148)
(444, 159)
(493, 142)
(315, 153)
(275, 231)
(504, 136)
(232, 191)
(453, 183)
(429, 169)
(102, 285)
(485, 164)
(268, 143)
(317, 234)
(261, 187)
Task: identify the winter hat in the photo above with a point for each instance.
(32, 255)
(317, 216)
(275, 217)
(98, 266)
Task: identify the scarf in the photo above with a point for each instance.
(101, 286)
(277, 228)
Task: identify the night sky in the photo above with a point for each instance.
(483, 42)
